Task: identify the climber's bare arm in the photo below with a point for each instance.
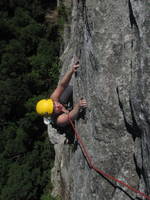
(64, 118)
(64, 83)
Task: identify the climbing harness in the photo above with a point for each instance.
(92, 166)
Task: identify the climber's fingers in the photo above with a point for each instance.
(75, 66)
(83, 103)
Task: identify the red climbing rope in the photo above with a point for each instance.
(92, 166)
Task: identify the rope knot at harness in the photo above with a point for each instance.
(92, 166)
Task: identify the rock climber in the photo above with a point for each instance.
(55, 105)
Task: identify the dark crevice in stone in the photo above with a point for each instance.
(133, 128)
(136, 128)
(125, 192)
(138, 198)
(132, 17)
(87, 21)
(138, 170)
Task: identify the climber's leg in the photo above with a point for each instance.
(67, 95)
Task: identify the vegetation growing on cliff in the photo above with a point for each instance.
(29, 68)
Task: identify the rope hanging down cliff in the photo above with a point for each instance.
(92, 166)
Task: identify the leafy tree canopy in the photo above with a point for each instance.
(29, 69)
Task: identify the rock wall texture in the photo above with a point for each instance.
(111, 39)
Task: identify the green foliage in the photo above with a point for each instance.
(22, 17)
(29, 69)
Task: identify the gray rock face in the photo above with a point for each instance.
(111, 39)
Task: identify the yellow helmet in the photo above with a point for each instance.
(45, 106)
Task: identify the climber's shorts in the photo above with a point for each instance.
(67, 95)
